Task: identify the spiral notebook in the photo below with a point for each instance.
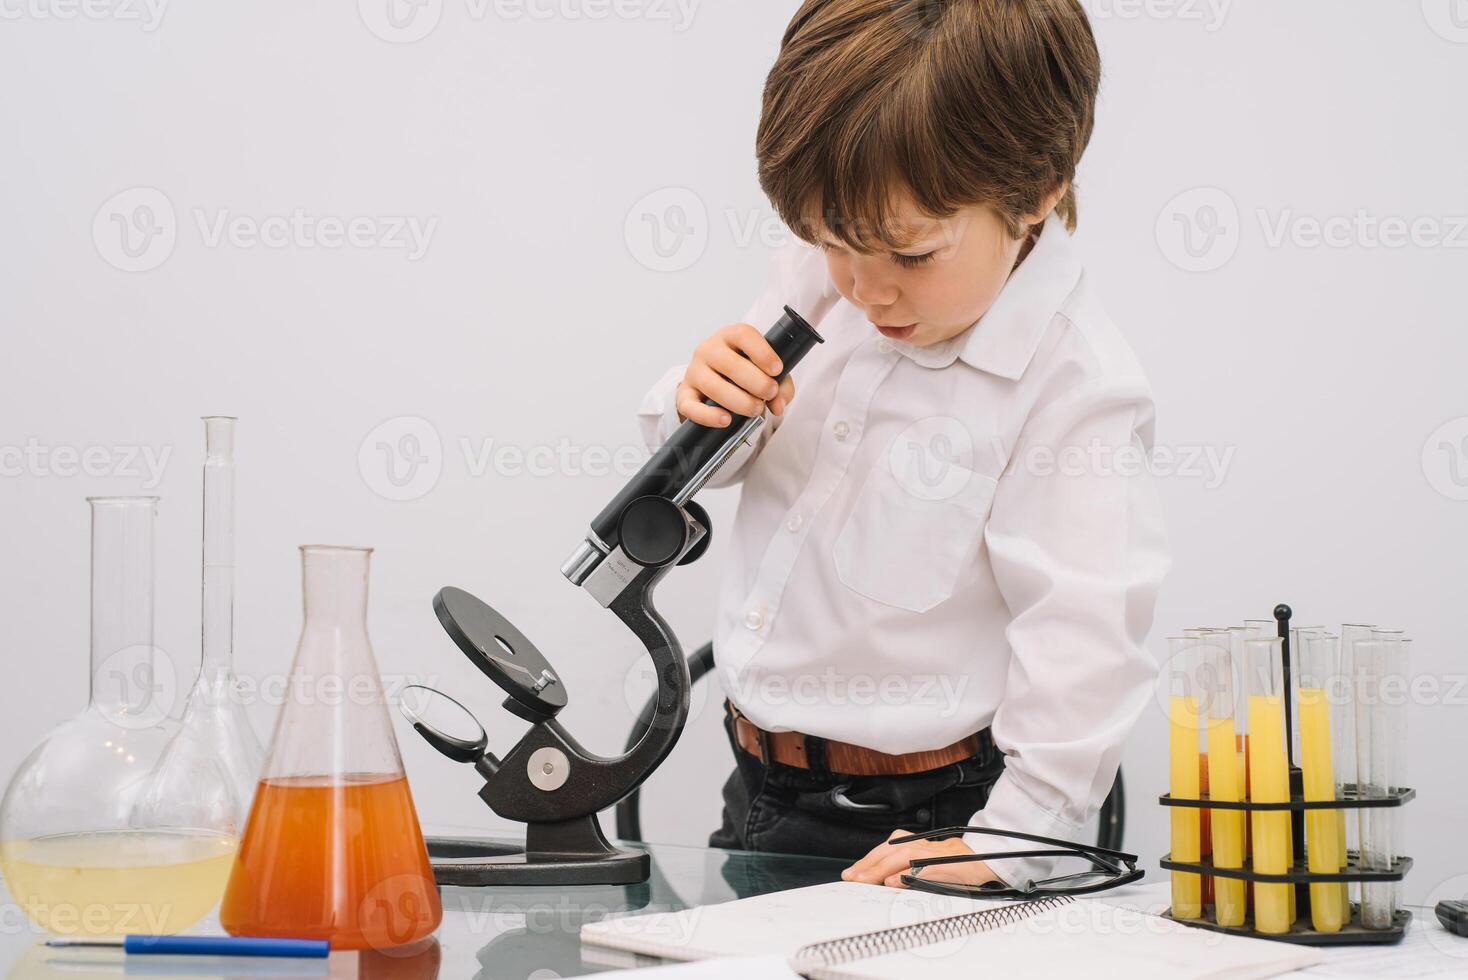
(851, 931)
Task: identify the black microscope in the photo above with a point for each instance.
(548, 781)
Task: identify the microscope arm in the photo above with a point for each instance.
(517, 791)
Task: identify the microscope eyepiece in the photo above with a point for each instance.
(689, 456)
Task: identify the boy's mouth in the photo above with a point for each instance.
(896, 333)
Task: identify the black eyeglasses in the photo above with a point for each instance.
(1109, 869)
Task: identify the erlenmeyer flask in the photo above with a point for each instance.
(209, 771)
(332, 849)
(78, 855)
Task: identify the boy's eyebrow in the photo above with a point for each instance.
(931, 241)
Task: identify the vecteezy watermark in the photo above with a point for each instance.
(300, 229)
(38, 459)
(396, 911)
(92, 918)
(1362, 229)
(147, 14)
(137, 230)
(941, 694)
(1209, 14)
(667, 230)
(403, 458)
(930, 459)
(400, 21)
(1207, 464)
(406, 21)
(1445, 459)
(640, 684)
(135, 687)
(1199, 230)
(1448, 19)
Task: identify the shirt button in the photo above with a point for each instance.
(753, 620)
(794, 523)
(842, 430)
(884, 347)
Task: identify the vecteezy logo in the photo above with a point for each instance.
(1448, 19)
(135, 230)
(668, 230)
(931, 458)
(137, 685)
(1199, 231)
(400, 21)
(402, 458)
(1445, 459)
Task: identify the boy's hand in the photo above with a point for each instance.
(886, 863)
(736, 368)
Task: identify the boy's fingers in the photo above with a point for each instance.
(727, 394)
(692, 408)
(754, 345)
(877, 855)
(744, 373)
(894, 862)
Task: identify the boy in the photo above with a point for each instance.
(942, 569)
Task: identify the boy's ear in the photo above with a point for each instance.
(1048, 205)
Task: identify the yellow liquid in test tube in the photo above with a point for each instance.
(1187, 839)
(1322, 827)
(1226, 784)
(1269, 782)
(117, 882)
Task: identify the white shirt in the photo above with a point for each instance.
(935, 540)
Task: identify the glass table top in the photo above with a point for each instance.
(501, 933)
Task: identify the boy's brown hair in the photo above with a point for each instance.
(956, 102)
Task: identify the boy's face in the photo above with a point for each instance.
(939, 284)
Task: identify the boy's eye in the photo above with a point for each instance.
(912, 261)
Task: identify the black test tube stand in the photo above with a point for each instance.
(1351, 933)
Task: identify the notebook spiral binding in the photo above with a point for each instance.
(833, 952)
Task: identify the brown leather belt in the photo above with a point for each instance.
(790, 749)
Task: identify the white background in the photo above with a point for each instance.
(540, 311)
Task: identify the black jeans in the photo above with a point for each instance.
(787, 810)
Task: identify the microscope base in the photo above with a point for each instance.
(571, 853)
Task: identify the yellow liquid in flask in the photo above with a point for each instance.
(113, 883)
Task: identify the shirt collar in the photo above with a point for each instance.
(1004, 340)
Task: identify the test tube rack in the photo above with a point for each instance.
(1351, 933)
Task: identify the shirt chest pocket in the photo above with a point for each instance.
(906, 542)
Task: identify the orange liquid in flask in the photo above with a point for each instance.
(335, 858)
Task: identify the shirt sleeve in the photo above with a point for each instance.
(792, 279)
(1078, 549)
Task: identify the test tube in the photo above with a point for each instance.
(1269, 782)
(1345, 754)
(1298, 635)
(1380, 671)
(1261, 627)
(1318, 666)
(1183, 783)
(1225, 778)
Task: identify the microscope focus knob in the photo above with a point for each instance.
(653, 531)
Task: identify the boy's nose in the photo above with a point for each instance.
(873, 293)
